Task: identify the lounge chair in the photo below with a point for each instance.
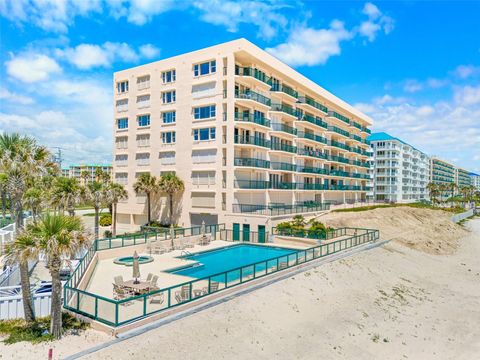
(149, 277)
(214, 285)
(282, 265)
(178, 244)
(158, 248)
(119, 281)
(189, 243)
(120, 293)
(153, 283)
(183, 295)
(157, 298)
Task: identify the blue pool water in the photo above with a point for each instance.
(234, 257)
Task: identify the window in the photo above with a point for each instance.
(203, 177)
(121, 142)
(143, 140)
(122, 123)
(169, 97)
(205, 68)
(121, 160)
(122, 87)
(204, 112)
(169, 117)
(121, 178)
(204, 134)
(204, 156)
(143, 101)
(143, 158)
(143, 120)
(168, 137)
(205, 200)
(143, 82)
(169, 76)
(122, 105)
(167, 158)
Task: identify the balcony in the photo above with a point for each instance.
(317, 138)
(251, 162)
(279, 209)
(284, 128)
(251, 140)
(283, 147)
(309, 101)
(283, 185)
(284, 109)
(254, 73)
(251, 184)
(339, 159)
(284, 89)
(334, 114)
(339, 131)
(312, 170)
(252, 95)
(357, 125)
(312, 153)
(310, 186)
(252, 119)
(340, 145)
(283, 166)
(339, 173)
(315, 121)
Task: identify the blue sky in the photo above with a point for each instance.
(414, 67)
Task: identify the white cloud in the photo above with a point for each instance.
(466, 71)
(376, 21)
(307, 46)
(412, 86)
(468, 95)
(32, 67)
(5, 94)
(149, 51)
(87, 56)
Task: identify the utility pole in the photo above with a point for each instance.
(58, 156)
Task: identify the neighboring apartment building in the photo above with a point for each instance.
(462, 177)
(442, 172)
(400, 173)
(475, 180)
(90, 170)
(245, 132)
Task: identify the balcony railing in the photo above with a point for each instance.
(252, 95)
(310, 186)
(283, 147)
(339, 159)
(283, 185)
(340, 145)
(339, 116)
(251, 140)
(314, 120)
(284, 108)
(279, 209)
(252, 184)
(257, 74)
(312, 170)
(312, 153)
(318, 138)
(251, 162)
(284, 128)
(313, 103)
(252, 118)
(285, 89)
(283, 166)
(339, 131)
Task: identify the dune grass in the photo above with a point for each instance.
(455, 209)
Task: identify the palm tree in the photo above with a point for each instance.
(34, 200)
(433, 191)
(66, 193)
(20, 252)
(95, 194)
(146, 184)
(85, 176)
(58, 237)
(3, 193)
(170, 184)
(115, 193)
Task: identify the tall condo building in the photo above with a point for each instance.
(400, 172)
(86, 173)
(475, 180)
(442, 172)
(250, 137)
(462, 177)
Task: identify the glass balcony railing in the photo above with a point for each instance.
(339, 159)
(339, 131)
(339, 173)
(313, 103)
(284, 128)
(252, 118)
(283, 166)
(312, 170)
(340, 145)
(318, 138)
(252, 95)
(251, 140)
(312, 153)
(357, 125)
(257, 74)
(283, 147)
(339, 116)
(285, 89)
(314, 120)
(284, 108)
(282, 185)
(251, 184)
(251, 162)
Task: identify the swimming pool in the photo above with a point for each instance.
(238, 258)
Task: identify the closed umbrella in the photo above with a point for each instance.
(202, 228)
(136, 268)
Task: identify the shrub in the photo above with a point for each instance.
(107, 234)
(105, 220)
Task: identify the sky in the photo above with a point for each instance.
(414, 67)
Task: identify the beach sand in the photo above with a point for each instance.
(391, 302)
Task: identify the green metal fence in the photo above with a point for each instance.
(120, 312)
(320, 234)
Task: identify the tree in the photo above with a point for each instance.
(115, 193)
(3, 193)
(170, 184)
(34, 200)
(146, 184)
(58, 237)
(95, 193)
(66, 194)
(85, 177)
(21, 251)
(433, 192)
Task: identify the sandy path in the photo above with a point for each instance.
(392, 302)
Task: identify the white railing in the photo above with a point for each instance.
(143, 85)
(122, 108)
(11, 307)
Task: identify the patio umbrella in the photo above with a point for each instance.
(202, 228)
(136, 267)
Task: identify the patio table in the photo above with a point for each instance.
(140, 288)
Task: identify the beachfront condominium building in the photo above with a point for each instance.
(462, 177)
(248, 135)
(400, 173)
(442, 172)
(475, 180)
(86, 173)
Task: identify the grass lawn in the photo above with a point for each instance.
(455, 210)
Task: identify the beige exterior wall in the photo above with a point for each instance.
(226, 180)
